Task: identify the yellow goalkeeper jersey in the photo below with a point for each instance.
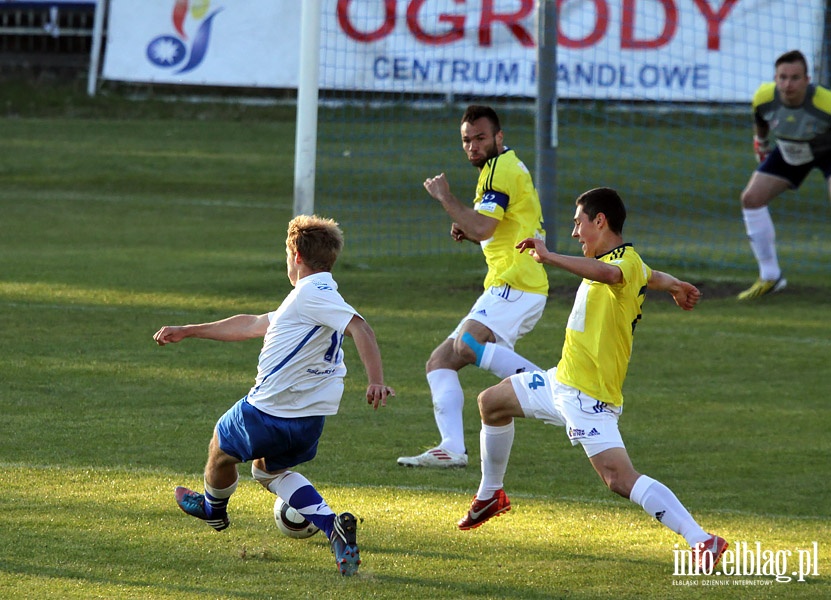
(600, 329)
(505, 192)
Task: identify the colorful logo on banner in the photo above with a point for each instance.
(171, 50)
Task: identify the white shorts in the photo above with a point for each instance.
(589, 422)
(509, 313)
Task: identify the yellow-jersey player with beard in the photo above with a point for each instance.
(505, 210)
(505, 192)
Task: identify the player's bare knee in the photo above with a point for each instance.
(751, 198)
(619, 482)
(614, 484)
(434, 363)
(481, 400)
(489, 406)
(440, 358)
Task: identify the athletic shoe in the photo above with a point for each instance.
(707, 554)
(344, 544)
(763, 287)
(436, 458)
(482, 510)
(193, 503)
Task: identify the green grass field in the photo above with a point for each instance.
(118, 218)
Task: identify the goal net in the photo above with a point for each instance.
(653, 100)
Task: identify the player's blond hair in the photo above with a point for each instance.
(317, 240)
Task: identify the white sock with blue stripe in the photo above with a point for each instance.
(301, 495)
(216, 500)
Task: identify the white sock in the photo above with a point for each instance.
(293, 487)
(223, 493)
(299, 493)
(759, 226)
(448, 400)
(659, 501)
(495, 446)
(286, 482)
(504, 362)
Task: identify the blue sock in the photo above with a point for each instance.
(216, 500)
(215, 508)
(309, 503)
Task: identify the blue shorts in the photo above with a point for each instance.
(248, 433)
(775, 165)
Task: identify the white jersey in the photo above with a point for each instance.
(301, 370)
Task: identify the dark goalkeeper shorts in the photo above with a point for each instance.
(794, 174)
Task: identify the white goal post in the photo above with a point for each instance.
(305, 149)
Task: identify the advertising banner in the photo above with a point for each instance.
(657, 50)
(203, 42)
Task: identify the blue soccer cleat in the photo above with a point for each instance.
(193, 503)
(344, 544)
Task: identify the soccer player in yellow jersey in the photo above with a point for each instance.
(798, 114)
(583, 392)
(505, 211)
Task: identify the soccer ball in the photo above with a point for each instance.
(291, 523)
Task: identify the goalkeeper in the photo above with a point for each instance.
(798, 115)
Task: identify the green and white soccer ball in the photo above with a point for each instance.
(291, 523)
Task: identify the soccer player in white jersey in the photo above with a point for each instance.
(505, 210)
(583, 393)
(797, 114)
(299, 383)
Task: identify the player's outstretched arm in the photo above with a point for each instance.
(686, 295)
(364, 338)
(232, 329)
(588, 268)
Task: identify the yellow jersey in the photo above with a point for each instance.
(505, 192)
(601, 326)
